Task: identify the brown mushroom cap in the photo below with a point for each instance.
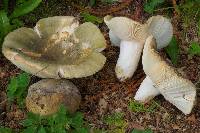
(46, 96)
(58, 48)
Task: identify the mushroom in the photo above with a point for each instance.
(162, 30)
(58, 47)
(124, 29)
(177, 90)
(46, 96)
(132, 35)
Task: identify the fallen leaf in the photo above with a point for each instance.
(191, 119)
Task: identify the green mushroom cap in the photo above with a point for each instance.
(58, 47)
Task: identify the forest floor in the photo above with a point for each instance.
(102, 93)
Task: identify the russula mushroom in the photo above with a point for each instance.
(46, 96)
(177, 90)
(58, 47)
(123, 29)
(132, 35)
(162, 30)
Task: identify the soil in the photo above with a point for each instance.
(102, 94)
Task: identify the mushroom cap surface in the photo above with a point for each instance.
(161, 28)
(177, 90)
(127, 29)
(46, 96)
(58, 47)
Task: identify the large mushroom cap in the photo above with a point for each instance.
(57, 48)
(126, 29)
(162, 30)
(177, 90)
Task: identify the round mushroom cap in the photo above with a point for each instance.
(161, 28)
(58, 47)
(46, 96)
(177, 90)
(127, 29)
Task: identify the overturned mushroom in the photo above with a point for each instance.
(177, 90)
(58, 47)
(132, 35)
(46, 96)
(162, 30)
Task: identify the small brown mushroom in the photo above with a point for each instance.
(46, 96)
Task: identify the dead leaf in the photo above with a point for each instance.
(176, 127)
(191, 119)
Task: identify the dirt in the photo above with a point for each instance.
(102, 93)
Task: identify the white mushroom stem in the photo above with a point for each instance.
(115, 41)
(146, 91)
(129, 57)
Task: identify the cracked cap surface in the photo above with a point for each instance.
(58, 47)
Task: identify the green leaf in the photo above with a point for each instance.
(81, 130)
(17, 88)
(77, 120)
(5, 5)
(173, 50)
(116, 119)
(194, 49)
(109, 1)
(92, 2)
(16, 23)
(41, 130)
(91, 18)
(150, 5)
(27, 122)
(32, 129)
(25, 8)
(142, 131)
(4, 24)
(5, 130)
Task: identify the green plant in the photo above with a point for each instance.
(61, 122)
(173, 50)
(142, 131)
(109, 1)
(91, 18)
(189, 11)
(5, 130)
(139, 107)
(10, 21)
(150, 5)
(194, 49)
(93, 2)
(116, 122)
(17, 87)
